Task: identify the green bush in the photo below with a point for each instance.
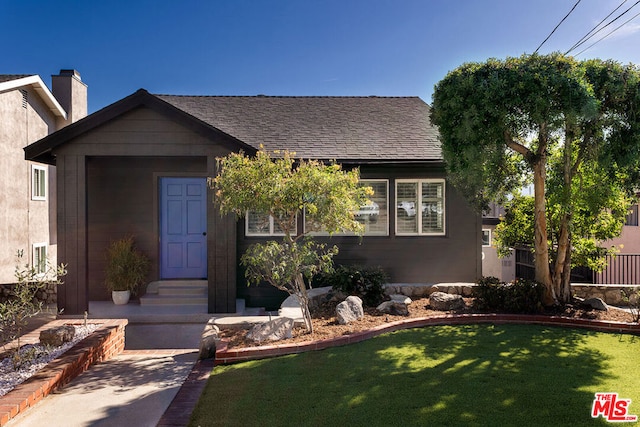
(520, 296)
(367, 283)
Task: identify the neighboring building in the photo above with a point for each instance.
(492, 265)
(30, 111)
(140, 166)
(624, 268)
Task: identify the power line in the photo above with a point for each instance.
(609, 23)
(589, 35)
(560, 23)
(609, 33)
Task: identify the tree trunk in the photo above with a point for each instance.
(303, 298)
(562, 270)
(541, 244)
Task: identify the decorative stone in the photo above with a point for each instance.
(445, 302)
(401, 299)
(209, 341)
(349, 310)
(396, 308)
(58, 335)
(273, 330)
(596, 304)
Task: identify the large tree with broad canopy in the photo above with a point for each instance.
(568, 126)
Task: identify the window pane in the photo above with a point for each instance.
(40, 259)
(374, 216)
(432, 207)
(406, 198)
(257, 223)
(38, 183)
(486, 237)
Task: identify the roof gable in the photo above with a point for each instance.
(41, 151)
(16, 81)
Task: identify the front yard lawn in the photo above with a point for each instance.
(507, 375)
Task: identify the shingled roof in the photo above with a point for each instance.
(346, 129)
(9, 77)
(342, 128)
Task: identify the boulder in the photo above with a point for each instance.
(349, 310)
(396, 308)
(445, 302)
(209, 341)
(58, 335)
(596, 304)
(273, 330)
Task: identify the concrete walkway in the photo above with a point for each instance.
(132, 389)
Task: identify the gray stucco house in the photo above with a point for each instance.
(139, 166)
(29, 111)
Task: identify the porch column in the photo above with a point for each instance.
(221, 249)
(72, 232)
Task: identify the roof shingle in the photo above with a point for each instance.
(341, 128)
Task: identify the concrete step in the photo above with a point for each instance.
(173, 300)
(182, 290)
(156, 286)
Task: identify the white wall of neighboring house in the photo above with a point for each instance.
(492, 265)
(29, 111)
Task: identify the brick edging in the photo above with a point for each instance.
(228, 356)
(182, 405)
(104, 343)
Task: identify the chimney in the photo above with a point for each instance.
(71, 93)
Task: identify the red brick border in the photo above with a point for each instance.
(106, 342)
(228, 356)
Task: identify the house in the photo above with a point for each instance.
(30, 111)
(139, 167)
(492, 265)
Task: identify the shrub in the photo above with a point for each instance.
(367, 283)
(23, 304)
(520, 296)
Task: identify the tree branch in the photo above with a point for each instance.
(516, 146)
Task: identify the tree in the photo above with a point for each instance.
(538, 117)
(279, 190)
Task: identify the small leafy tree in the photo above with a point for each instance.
(283, 188)
(23, 304)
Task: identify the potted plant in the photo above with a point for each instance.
(126, 269)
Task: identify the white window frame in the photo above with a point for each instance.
(349, 233)
(271, 232)
(489, 232)
(419, 182)
(41, 172)
(39, 263)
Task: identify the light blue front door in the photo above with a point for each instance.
(183, 228)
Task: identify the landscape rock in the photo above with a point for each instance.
(349, 310)
(396, 308)
(596, 304)
(445, 302)
(58, 335)
(273, 330)
(401, 299)
(209, 341)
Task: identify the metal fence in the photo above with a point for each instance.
(621, 270)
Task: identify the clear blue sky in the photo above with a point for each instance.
(289, 47)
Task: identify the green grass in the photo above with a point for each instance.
(484, 375)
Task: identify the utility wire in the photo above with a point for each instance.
(609, 33)
(589, 35)
(560, 23)
(609, 23)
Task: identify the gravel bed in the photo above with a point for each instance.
(10, 378)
